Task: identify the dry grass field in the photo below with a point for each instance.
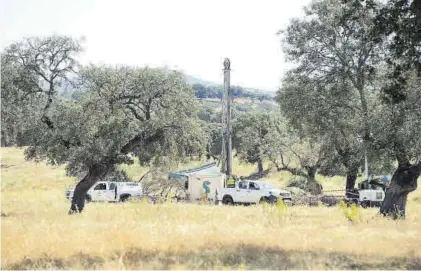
(37, 233)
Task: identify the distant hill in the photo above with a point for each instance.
(195, 80)
(265, 91)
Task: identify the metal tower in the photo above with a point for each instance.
(226, 122)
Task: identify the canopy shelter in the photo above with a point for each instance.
(381, 178)
(201, 182)
(375, 182)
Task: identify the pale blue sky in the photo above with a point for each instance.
(194, 36)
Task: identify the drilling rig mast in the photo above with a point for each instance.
(226, 122)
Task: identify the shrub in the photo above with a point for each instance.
(299, 182)
(352, 213)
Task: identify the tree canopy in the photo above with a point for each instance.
(350, 67)
(120, 112)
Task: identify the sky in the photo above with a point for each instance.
(191, 36)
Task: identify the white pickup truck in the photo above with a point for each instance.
(110, 191)
(250, 192)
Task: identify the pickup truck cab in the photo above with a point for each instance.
(245, 192)
(110, 191)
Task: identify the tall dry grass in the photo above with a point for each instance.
(37, 233)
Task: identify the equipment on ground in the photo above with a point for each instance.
(199, 183)
(370, 193)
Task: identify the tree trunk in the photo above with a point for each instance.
(259, 166)
(4, 140)
(312, 185)
(404, 181)
(95, 173)
(351, 178)
(351, 163)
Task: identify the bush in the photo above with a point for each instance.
(352, 213)
(298, 182)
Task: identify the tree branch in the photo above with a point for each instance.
(295, 171)
(136, 115)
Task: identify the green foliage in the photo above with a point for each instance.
(119, 111)
(351, 59)
(17, 114)
(397, 126)
(260, 136)
(117, 176)
(332, 92)
(298, 181)
(204, 92)
(352, 213)
(253, 133)
(210, 112)
(214, 145)
(398, 23)
(32, 71)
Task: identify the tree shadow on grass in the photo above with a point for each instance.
(47, 262)
(217, 256)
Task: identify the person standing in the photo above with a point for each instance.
(231, 182)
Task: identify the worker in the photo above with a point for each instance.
(231, 182)
(115, 192)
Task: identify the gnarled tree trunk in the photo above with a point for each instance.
(259, 166)
(351, 177)
(312, 185)
(95, 173)
(350, 161)
(404, 181)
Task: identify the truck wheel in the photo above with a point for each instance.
(364, 204)
(272, 199)
(88, 198)
(125, 198)
(227, 200)
(264, 200)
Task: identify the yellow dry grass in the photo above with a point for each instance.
(37, 233)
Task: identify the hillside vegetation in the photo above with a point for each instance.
(37, 233)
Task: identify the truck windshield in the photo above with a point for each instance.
(101, 186)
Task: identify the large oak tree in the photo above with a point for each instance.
(120, 112)
(329, 87)
(398, 24)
